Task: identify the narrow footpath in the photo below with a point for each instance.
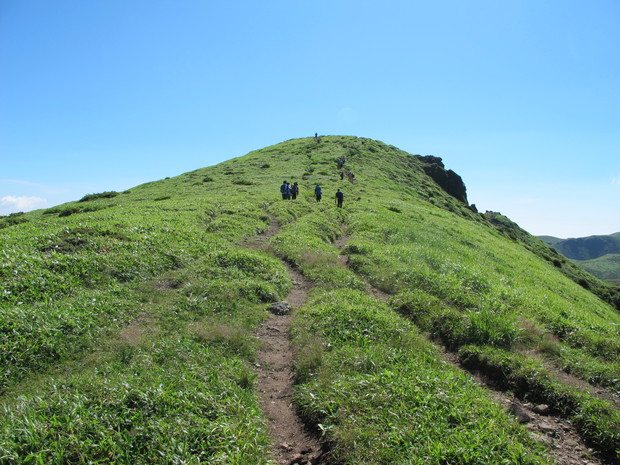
(564, 443)
(292, 442)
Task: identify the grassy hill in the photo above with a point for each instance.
(606, 267)
(598, 255)
(586, 248)
(128, 320)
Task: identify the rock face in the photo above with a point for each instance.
(448, 180)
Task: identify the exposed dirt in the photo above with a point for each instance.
(558, 435)
(597, 391)
(293, 443)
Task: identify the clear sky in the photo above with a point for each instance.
(521, 98)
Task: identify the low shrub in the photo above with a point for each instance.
(102, 195)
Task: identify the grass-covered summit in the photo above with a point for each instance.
(127, 319)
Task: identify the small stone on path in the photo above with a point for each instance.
(280, 308)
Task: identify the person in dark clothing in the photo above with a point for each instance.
(285, 190)
(318, 193)
(341, 175)
(339, 198)
(294, 191)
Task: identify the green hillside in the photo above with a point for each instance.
(597, 255)
(129, 320)
(605, 267)
(551, 240)
(587, 248)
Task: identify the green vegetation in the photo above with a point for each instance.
(127, 328)
(379, 382)
(586, 248)
(102, 195)
(606, 267)
(599, 255)
(597, 419)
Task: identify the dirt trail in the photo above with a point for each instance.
(293, 443)
(561, 438)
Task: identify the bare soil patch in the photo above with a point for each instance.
(562, 440)
(293, 442)
(597, 391)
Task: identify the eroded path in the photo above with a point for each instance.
(560, 437)
(293, 443)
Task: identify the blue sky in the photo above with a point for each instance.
(521, 98)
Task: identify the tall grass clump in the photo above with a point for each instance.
(175, 401)
(597, 419)
(382, 395)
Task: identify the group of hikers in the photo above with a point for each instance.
(290, 191)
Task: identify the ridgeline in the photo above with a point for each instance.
(133, 324)
(599, 255)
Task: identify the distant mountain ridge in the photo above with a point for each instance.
(599, 255)
(585, 248)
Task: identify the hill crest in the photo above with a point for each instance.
(133, 317)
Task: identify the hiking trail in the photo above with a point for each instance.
(564, 443)
(292, 442)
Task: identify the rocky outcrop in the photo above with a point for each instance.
(448, 180)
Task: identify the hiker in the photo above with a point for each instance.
(318, 193)
(341, 175)
(294, 191)
(339, 198)
(285, 190)
(351, 176)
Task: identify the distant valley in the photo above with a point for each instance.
(599, 255)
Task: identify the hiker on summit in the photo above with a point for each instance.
(285, 190)
(339, 198)
(318, 193)
(294, 191)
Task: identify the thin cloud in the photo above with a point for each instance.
(616, 181)
(24, 183)
(13, 204)
(42, 188)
